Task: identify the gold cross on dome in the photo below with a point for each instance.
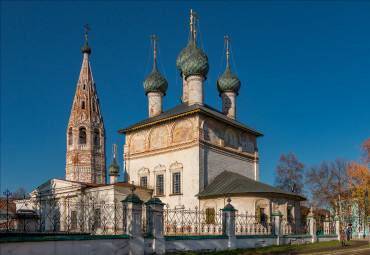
(227, 38)
(86, 30)
(195, 23)
(114, 150)
(191, 20)
(155, 39)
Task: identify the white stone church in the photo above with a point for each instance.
(190, 155)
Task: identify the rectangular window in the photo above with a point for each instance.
(73, 220)
(263, 215)
(144, 181)
(176, 183)
(97, 221)
(290, 216)
(210, 215)
(159, 187)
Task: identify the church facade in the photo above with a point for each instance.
(194, 155)
(189, 156)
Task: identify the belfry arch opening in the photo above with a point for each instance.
(83, 105)
(70, 136)
(82, 135)
(96, 137)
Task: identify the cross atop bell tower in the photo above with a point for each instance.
(85, 159)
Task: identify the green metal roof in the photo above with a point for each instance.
(155, 82)
(114, 168)
(228, 81)
(229, 183)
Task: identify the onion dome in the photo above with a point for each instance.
(185, 52)
(114, 168)
(195, 63)
(86, 48)
(228, 82)
(155, 82)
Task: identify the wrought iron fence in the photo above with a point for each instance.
(181, 222)
(291, 226)
(65, 216)
(253, 225)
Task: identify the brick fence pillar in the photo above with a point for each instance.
(228, 224)
(133, 212)
(155, 224)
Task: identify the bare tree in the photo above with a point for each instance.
(19, 194)
(328, 186)
(289, 173)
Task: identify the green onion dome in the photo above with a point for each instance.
(155, 82)
(228, 82)
(114, 168)
(86, 48)
(185, 53)
(195, 63)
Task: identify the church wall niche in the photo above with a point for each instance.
(182, 131)
(158, 137)
(211, 130)
(137, 143)
(248, 143)
(230, 138)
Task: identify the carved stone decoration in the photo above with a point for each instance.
(137, 143)
(231, 138)
(159, 168)
(158, 137)
(182, 131)
(176, 166)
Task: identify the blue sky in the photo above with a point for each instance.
(304, 67)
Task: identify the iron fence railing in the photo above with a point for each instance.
(65, 216)
(181, 222)
(253, 225)
(291, 226)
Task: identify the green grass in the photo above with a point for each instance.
(280, 248)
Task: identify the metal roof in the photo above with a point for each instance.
(229, 183)
(184, 108)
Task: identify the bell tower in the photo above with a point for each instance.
(86, 159)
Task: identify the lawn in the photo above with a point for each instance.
(282, 249)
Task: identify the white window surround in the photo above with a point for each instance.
(160, 170)
(144, 172)
(176, 168)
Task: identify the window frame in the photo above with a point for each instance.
(144, 177)
(176, 168)
(157, 184)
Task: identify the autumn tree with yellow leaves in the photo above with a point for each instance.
(358, 177)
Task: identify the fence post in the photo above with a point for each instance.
(312, 226)
(337, 226)
(326, 225)
(276, 218)
(134, 222)
(155, 226)
(228, 224)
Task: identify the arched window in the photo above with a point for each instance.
(96, 137)
(93, 106)
(70, 136)
(83, 105)
(82, 136)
